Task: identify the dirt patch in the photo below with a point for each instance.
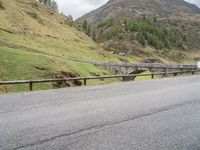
(35, 5)
(6, 30)
(39, 68)
(32, 14)
(152, 60)
(35, 16)
(1, 6)
(62, 75)
(196, 58)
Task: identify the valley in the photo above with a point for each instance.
(37, 42)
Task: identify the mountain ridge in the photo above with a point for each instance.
(167, 28)
(137, 8)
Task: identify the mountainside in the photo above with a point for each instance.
(164, 28)
(36, 42)
(138, 8)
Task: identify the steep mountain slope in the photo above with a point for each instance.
(166, 28)
(138, 8)
(37, 42)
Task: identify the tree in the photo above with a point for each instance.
(46, 2)
(71, 18)
(54, 5)
(71, 21)
(141, 39)
(50, 3)
(144, 16)
(94, 35)
(155, 19)
(88, 30)
(84, 25)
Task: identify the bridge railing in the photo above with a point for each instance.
(84, 79)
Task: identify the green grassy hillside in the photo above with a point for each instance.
(36, 42)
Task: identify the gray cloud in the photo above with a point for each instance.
(197, 2)
(78, 8)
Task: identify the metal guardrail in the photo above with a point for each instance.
(84, 79)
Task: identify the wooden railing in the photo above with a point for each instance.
(84, 79)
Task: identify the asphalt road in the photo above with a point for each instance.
(148, 115)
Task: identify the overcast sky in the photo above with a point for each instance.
(78, 8)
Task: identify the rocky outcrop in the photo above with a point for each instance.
(62, 75)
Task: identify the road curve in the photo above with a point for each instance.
(146, 115)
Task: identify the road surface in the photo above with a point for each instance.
(147, 115)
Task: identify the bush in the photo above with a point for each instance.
(114, 32)
(106, 24)
(155, 42)
(141, 39)
(144, 31)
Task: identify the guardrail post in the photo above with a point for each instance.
(85, 81)
(31, 86)
(165, 75)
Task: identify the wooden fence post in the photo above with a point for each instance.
(152, 76)
(175, 74)
(30, 86)
(85, 81)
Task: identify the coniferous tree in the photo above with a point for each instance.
(88, 30)
(71, 21)
(84, 25)
(71, 18)
(50, 3)
(94, 35)
(155, 19)
(54, 5)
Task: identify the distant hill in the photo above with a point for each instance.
(166, 28)
(36, 42)
(137, 8)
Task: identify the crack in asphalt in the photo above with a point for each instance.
(108, 125)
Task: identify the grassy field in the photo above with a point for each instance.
(20, 65)
(37, 43)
